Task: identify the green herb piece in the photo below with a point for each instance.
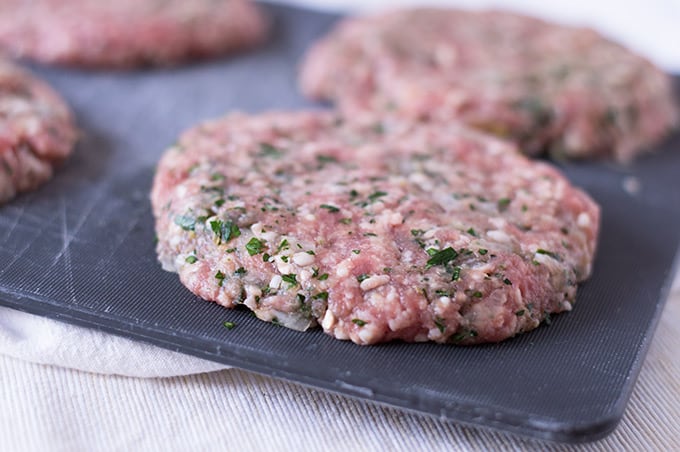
(439, 322)
(353, 193)
(507, 281)
(321, 296)
(224, 230)
(431, 251)
(290, 279)
(230, 250)
(240, 271)
(323, 277)
(519, 313)
(254, 246)
(356, 251)
(346, 220)
(456, 274)
(283, 245)
(482, 251)
(219, 276)
(185, 222)
(310, 252)
(216, 177)
(358, 322)
(503, 204)
(387, 270)
(362, 277)
(284, 259)
(477, 294)
(267, 150)
(265, 257)
(326, 159)
(229, 325)
(548, 253)
(442, 257)
(330, 208)
(220, 202)
(191, 259)
(370, 234)
(472, 232)
(548, 319)
(376, 195)
(417, 232)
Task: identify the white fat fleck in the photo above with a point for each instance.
(566, 305)
(343, 269)
(583, 220)
(543, 258)
(256, 229)
(328, 320)
(270, 236)
(181, 191)
(443, 302)
(340, 334)
(309, 217)
(367, 333)
(304, 275)
(303, 259)
(498, 222)
(499, 236)
(283, 267)
(275, 282)
(392, 218)
(374, 281)
(422, 181)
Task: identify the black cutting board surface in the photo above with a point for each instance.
(81, 249)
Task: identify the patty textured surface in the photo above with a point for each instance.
(37, 131)
(375, 231)
(549, 87)
(127, 33)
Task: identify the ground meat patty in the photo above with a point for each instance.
(127, 33)
(375, 231)
(36, 131)
(566, 90)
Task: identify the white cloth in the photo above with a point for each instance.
(44, 407)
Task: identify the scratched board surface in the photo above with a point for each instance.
(81, 249)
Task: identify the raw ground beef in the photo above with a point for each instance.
(549, 87)
(375, 230)
(37, 131)
(127, 33)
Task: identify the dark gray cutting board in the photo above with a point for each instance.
(81, 249)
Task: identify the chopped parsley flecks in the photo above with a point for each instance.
(322, 159)
(191, 259)
(321, 296)
(267, 150)
(185, 222)
(548, 253)
(439, 323)
(520, 313)
(323, 277)
(503, 204)
(376, 195)
(442, 257)
(283, 246)
(346, 220)
(482, 251)
(456, 274)
(291, 279)
(216, 177)
(220, 202)
(229, 325)
(353, 193)
(363, 277)
(224, 230)
(330, 208)
(240, 271)
(472, 232)
(254, 246)
(359, 322)
(477, 294)
(507, 282)
(219, 276)
(356, 251)
(265, 257)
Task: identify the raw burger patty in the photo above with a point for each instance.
(549, 87)
(36, 131)
(127, 33)
(375, 232)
